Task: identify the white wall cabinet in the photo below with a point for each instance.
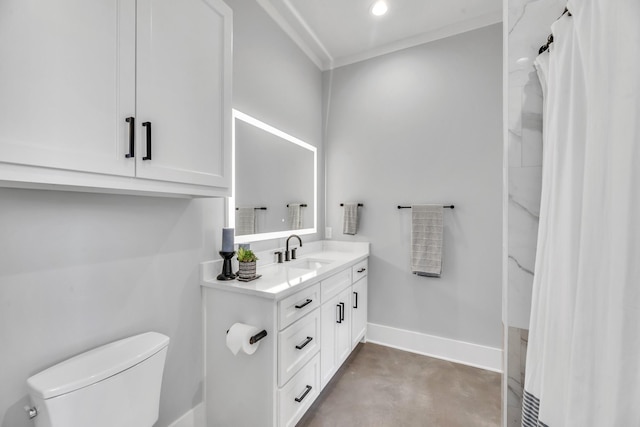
(81, 81)
(67, 83)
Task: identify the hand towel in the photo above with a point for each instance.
(245, 221)
(350, 219)
(426, 240)
(295, 216)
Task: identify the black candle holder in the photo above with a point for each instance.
(227, 273)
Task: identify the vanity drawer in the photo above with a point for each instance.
(299, 393)
(335, 284)
(296, 345)
(360, 270)
(297, 305)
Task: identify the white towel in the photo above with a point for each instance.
(426, 240)
(350, 220)
(295, 216)
(245, 221)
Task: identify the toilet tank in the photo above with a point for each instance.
(115, 385)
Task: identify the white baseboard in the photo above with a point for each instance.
(193, 418)
(475, 355)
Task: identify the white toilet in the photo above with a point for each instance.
(116, 385)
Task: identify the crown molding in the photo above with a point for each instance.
(297, 38)
(440, 33)
(299, 31)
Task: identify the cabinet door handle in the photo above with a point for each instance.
(356, 300)
(362, 270)
(307, 341)
(306, 391)
(307, 302)
(132, 137)
(148, 126)
(339, 313)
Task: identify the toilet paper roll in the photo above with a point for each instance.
(238, 338)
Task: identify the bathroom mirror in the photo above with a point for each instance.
(275, 186)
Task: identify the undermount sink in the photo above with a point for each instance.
(309, 263)
(296, 270)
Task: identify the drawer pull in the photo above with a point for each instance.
(132, 137)
(303, 345)
(362, 270)
(355, 301)
(341, 311)
(307, 302)
(339, 307)
(306, 391)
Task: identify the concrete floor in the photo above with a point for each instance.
(380, 386)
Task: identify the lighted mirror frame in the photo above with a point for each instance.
(231, 201)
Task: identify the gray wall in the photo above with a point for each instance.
(78, 270)
(423, 125)
(275, 82)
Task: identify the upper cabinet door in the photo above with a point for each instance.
(184, 91)
(67, 76)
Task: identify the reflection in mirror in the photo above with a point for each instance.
(275, 182)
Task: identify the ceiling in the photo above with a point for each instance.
(340, 32)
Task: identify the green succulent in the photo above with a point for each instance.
(246, 255)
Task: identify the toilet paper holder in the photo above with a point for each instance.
(257, 337)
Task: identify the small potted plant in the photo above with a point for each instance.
(247, 261)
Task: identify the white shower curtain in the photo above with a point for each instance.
(583, 360)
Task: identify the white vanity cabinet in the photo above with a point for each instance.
(309, 335)
(298, 341)
(116, 96)
(275, 385)
(359, 295)
(336, 323)
(343, 317)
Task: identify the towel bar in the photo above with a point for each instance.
(261, 209)
(359, 204)
(302, 205)
(409, 207)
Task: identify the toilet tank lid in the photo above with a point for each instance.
(96, 365)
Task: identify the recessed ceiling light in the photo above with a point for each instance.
(379, 8)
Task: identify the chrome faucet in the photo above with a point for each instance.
(289, 255)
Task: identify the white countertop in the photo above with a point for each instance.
(281, 280)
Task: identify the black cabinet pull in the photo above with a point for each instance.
(306, 391)
(307, 302)
(356, 300)
(362, 270)
(307, 341)
(148, 126)
(132, 137)
(341, 311)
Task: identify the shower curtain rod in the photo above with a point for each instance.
(550, 38)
